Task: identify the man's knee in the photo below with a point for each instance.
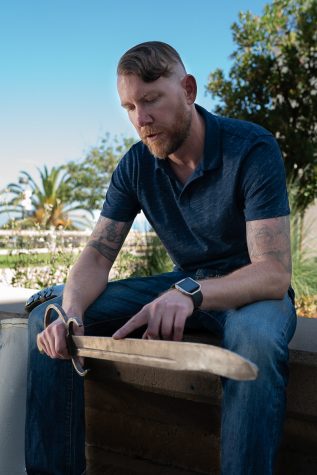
(36, 317)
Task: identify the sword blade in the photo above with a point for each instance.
(171, 355)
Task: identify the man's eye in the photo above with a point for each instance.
(151, 99)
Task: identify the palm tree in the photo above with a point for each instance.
(48, 204)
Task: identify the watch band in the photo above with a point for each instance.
(197, 298)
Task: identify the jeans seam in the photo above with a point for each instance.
(289, 323)
(69, 419)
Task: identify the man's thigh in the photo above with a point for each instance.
(255, 326)
(124, 298)
(261, 331)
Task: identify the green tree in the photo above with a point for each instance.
(92, 174)
(273, 82)
(47, 203)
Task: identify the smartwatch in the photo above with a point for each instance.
(190, 287)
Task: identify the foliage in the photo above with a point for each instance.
(46, 204)
(273, 82)
(41, 270)
(54, 272)
(304, 280)
(24, 259)
(154, 260)
(92, 174)
(306, 307)
(25, 266)
(304, 275)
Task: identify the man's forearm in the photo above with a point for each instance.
(89, 276)
(87, 279)
(257, 281)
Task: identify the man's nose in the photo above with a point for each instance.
(143, 118)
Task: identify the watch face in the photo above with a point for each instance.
(188, 285)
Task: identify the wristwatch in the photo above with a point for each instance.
(190, 287)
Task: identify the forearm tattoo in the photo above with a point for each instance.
(105, 250)
(270, 237)
(108, 237)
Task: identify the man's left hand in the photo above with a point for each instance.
(165, 317)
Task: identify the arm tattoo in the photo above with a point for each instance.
(270, 238)
(108, 237)
(114, 232)
(105, 250)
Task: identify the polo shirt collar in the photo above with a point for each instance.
(212, 152)
(212, 148)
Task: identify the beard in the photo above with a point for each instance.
(169, 139)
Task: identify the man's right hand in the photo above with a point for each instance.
(53, 339)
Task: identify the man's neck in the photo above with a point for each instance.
(185, 160)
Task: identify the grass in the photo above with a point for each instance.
(30, 260)
(304, 278)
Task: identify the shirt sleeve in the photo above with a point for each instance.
(263, 182)
(121, 203)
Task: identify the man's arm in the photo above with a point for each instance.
(267, 277)
(87, 279)
(89, 276)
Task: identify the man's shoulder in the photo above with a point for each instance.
(242, 129)
(229, 126)
(234, 137)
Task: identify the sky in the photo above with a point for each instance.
(58, 63)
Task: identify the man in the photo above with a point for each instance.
(214, 190)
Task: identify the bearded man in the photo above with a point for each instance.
(213, 189)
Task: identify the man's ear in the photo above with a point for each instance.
(190, 88)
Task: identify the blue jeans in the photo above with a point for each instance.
(252, 412)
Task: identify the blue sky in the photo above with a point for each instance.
(58, 61)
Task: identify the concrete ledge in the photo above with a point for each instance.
(12, 300)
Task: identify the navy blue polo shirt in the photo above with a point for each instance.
(202, 223)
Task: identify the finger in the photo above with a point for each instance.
(155, 321)
(55, 338)
(179, 324)
(135, 322)
(146, 336)
(41, 344)
(60, 345)
(61, 349)
(167, 324)
(49, 344)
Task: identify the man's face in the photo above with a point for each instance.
(158, 110)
